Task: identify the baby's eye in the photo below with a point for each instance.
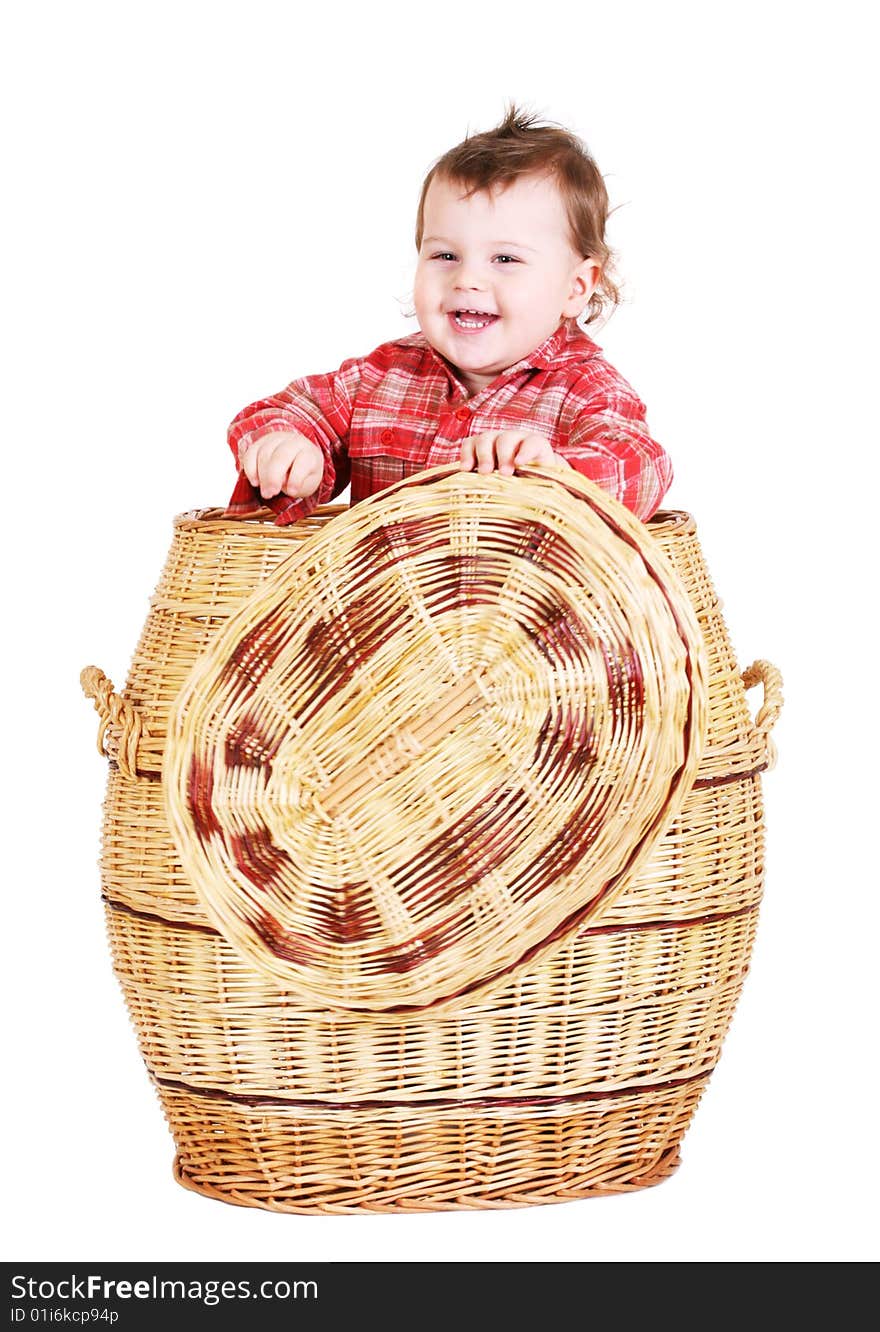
(507, 259)
(443, 254)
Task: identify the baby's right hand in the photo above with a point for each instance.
(283, 462)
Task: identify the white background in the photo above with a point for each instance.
(203, 201)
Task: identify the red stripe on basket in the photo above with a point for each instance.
(257, 857)
(452, 863)
(124, 909)
(350, 916)
(560, 636)
(199, 790)
(711, 918)
(289, 945)
(624, 669)
(539, 544)
(405, 957)
(435, 1102)
(560, 857)
(255, 654)
(248, 744)
(622, 927)
(569, 733)
(725, 778)
(335, 649)
(480, 840)
(333, 653)
(470, 580)
(405, 538)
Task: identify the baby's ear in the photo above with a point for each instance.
(584, 281)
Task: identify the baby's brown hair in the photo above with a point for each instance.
(522, 146)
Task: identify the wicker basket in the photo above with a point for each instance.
(433, 845)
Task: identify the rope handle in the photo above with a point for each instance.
(121, 725)
(766, 674)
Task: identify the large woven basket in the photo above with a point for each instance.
(433, 845)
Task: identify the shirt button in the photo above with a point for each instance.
(463, 414)
(387, 436)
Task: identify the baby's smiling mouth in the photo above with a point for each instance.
(472, 319)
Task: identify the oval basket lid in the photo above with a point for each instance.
(437, 737)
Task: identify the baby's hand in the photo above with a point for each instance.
(284, 461)
(505, 450)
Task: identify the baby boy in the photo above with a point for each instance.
(511, 245)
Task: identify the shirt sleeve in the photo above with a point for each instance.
(319, 407)
(609, 441)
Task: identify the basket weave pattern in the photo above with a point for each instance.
(573, 1071)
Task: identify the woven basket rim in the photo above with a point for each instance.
(679, 521)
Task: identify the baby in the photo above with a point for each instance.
(511, 245)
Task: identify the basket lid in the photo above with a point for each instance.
(440, 734)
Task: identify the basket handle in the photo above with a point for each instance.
(766, 674)
(121, 724)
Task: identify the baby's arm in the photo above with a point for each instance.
(296, 442)
(608, 441)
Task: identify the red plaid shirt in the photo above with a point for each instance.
(402, 409)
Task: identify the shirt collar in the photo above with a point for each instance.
(565, 345)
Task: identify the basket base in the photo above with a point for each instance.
(330, 1160)
(468, 1202)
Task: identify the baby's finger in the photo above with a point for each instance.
(467, 458)
(305, 472)
(247, 461)
(484, 449)
(507, 445)
(272, 465)
(535, 449)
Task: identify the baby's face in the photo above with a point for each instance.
(496, 274)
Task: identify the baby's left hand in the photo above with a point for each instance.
(506, 449)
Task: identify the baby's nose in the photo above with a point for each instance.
(469, 278)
